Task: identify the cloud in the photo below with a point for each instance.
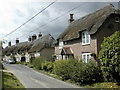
(13, 14)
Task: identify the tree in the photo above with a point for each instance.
(109, 57)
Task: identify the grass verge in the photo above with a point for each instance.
(103, 85)
(10, 81)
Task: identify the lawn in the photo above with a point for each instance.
(10, 81)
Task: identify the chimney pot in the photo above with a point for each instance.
(17, 40)
(40, 35)
(34, 37)
(9, 43)
(71, 18)
(29, 39)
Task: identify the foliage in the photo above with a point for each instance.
(86, 73)
(82, 73)
(110, 57)
(64, 68)
(37, 62)
(47, 66)
(10, 81)
(102, 85)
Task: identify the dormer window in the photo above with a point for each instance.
(85, 38)
(117, 19)
(61, 44)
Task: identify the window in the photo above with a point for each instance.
(85, 38)
(86, 57)
(117, 19)
(61, 44)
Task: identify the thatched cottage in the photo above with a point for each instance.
(43, 46)
(32, 48)
(83, 37)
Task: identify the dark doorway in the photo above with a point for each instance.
(23, 59)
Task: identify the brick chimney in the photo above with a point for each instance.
(9, 43)
(34, 37)
(71, 18)
(17, 40)
(40, 35)
(29, 39)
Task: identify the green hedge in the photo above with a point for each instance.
(86, 73)
(83, 73)
(110, 58)
(64, 68)
(37, 62)
(47, 66)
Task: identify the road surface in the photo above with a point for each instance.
(32, 79)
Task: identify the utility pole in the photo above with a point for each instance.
(0, 50)
(1, 65)
(119, 5)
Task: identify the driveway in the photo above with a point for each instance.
(32, 79)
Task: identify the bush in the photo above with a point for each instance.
(110, 58)
(82, 73)
(47, 66)
(37, 62)
(64, 68)
(86, 73)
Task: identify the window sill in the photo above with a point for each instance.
(84, 44)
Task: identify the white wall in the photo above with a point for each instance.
(37, 54)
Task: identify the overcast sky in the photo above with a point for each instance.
(14, 13)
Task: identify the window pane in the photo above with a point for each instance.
(83, 37)
(87, 38)
(84, 58)
(88, 57)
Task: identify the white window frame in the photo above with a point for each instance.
(117, 20)
(86, 60)
(61, 44)
(85, 38)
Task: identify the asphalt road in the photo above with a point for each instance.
(32, 79)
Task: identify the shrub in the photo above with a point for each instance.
(86, 73)
(64, 68)
(47, 66)
(110, 57)
(82, 73)
(37, 62)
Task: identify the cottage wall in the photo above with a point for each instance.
(78, 48)
(18, 57)
(47, 53)
(107, 29)
(27, 57)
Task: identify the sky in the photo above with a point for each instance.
(14, 13)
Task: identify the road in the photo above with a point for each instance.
(32, 79)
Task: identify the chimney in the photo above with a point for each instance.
(17, 40)
(34, 37)
(71, 18)
(9, 43)
(29, 39)
(39, 35)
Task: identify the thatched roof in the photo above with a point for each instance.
(20, 47)
(23, 46)
(42, 42)
(34, 46)
(91, 23)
